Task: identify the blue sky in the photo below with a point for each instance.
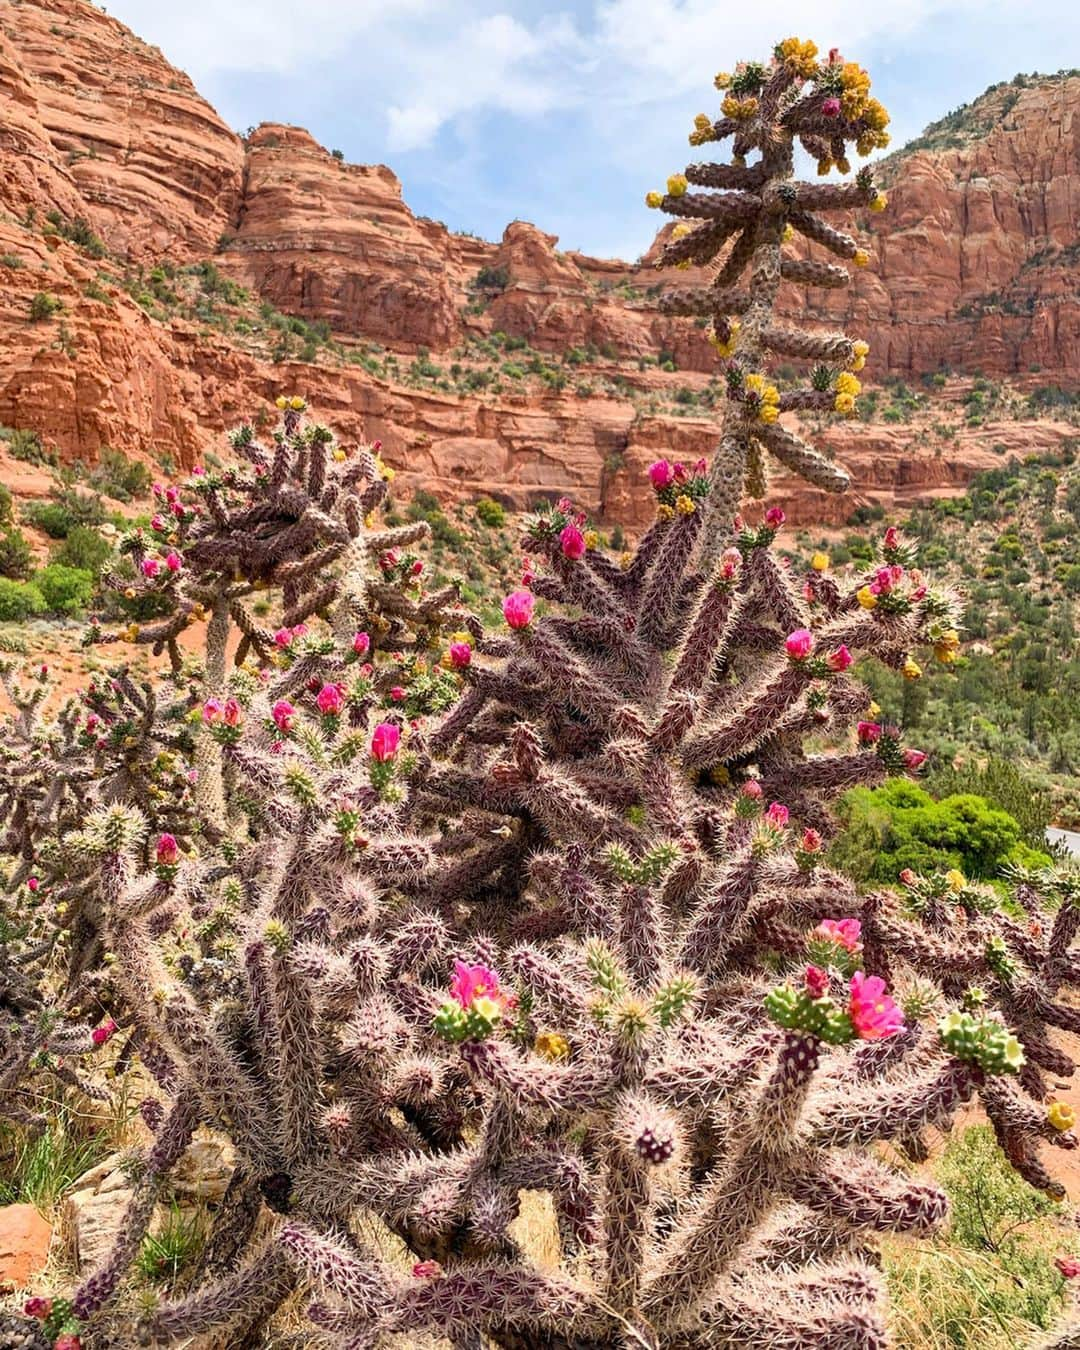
(565, 114)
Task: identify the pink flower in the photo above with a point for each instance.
(376, 446)
(752, 788)
(846, 933)
(1069, 1266)
(193, 776)
(518, 609)
(173, 561)
(799, 644)
(38, 1307)
(67, 1341)
(471, 982)
(150, 567)
(417, 568)
(661, 474)
(908, 877)
(157, 522)
(840, 659)
(460, 655)
(919, 593)
(283, 637)
(91, 721)
(913, 759)
(831, 107)
(397, 694)
(868, 732)
(572, 542)
(284, 715)
(777, 815)
(231, 713)
(172, 495)
(367, 670)
(817, 981)
(299, 630)
(427, 1270)
(360, 643)
(565, 505)
(775, 517)
(167, 851)
(730, 561)
(101, 1034)
(871, 1010)
(197, 471)
(213, 710)
(892, 537)
(32, 883)
(385, 741)
(811, 841)
(330, 700)
(702, 465)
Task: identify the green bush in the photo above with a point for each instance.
(19, 601)
(16, 557)
(44, 306)
(64, 512)
(66, 590)
(85, 549)
(6, 505)
(490, 513)
(900, 825)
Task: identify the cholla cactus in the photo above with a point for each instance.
(767, 109)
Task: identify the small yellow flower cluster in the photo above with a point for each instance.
(681, 230)
(551, 1045)
(911, 670)
(800, 58)
(625, 559)
(876, 118)
(860, 350)
(654, 200)
(131, 632)
(946, 649)
(685, 505)
(880, 202)
(955, 880)
(820, 562)
(1060, 1116)
(665, 512)
(855, 83)
(739, 109)
(677, 185)
(860, 257)
(296, 403)
(592, 539)
(385, 471)
(721, 80)
(847, 390)
(866, 597)
(769, 396)
(726, 346)
(340, 455)
(787, 234)
(703, 129)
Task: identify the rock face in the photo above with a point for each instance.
(976, 267)
(24, 1246)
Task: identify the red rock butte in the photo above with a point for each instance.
(976, 268)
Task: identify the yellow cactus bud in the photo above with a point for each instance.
(281, 402)
(844, 403)
(677, 185)
(880, 202)
(592, 539)
(787, 234)
(685, 505)
(874, 709)
(625, 559)
(664, 512)
(956, 880)
(820, 562)
(861, 257)
(866, 597)
(911, 670)
(722, 79)
(703, 122)
(338, 456)
(297, 404)
(846, 383)
(550, 1045)
(654, 199)
(1060, 1116)
(681, 230)
(768, 413)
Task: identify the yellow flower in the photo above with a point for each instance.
(685, 505)
(725, 346)
(866, 598)
(880, 202)
(369, 521)
(911, 670)
(946, 656)
(861, 348)
(768, 413)
(625, 559)
(592, 539)
(1060, 1116)
(339, 456)
(770, 394)
(820, 562)
(844, 403)
(956, 879)
(722, 80)
(385, 471)
(787, 234)
(198, 612)
(677, 185)
(875, 115)
(132, 632)
(653, 199)
(703, 122)
(861, 257)
(846, 383)
(665, 512)
(297, 404)
(950, 639)
(873, 709)
(681, 230)
(738, 108)
(550, 1045)
(462, 637)
(755, 383)
(281, 402)
(798, 57)
(129, 592)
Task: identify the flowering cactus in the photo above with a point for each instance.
(751, 212)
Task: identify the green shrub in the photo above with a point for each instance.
(490, 513)
(120, 477)
(44, 306)
(19, 601)
(67, 509)
(16, 557)
(85, 549)
(6, 505)
(66, 590)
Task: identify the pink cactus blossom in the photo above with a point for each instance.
(517, 609)
(892, 537)
(38, 1307)
(417, 568)
(908, 877)
(213, 710)
(385, 741)
(831, 107)
(470, 982)
(730, 562)
(360, 643)
(777, 815)
(167, 852)
(284, 715)
(840, 659)
(799, 644)
(869, 733)
(157, 522)
(752, 789)
(103, 1033)
(873, 1013)
(426, 1270)
(173, 561)
(460, 655)
(283, 637)
(816, 981)
(810, 842)
(775, 517)
(846, 933)
(150, 567)
(572, 542)
(232, 713)
(32, 883)
(397, 694)
(661, 474)
(330, 700)
(914, 759)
